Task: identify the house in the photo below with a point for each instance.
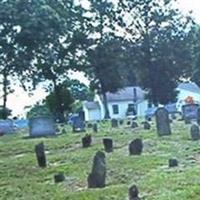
(188, 93)
(120, 104)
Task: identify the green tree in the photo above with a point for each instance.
(59, 102)
(158, 33)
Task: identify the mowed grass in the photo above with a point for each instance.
(22, 179)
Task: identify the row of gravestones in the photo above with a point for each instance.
(97, 177)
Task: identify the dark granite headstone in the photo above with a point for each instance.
(134, 124)
(86, 141)
(162, 122)
(121, 121)
(108, 144)
(128, 123)
(147, 125)
(114, 123)
(173, 162)
(136, 147)
(41, 126)
(97, 178)
(195, 133)
(95, 128)
(133, 193)
(40, 154)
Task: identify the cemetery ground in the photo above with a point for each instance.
(22, 179)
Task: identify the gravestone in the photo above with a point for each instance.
(162, 122)
(89, 125)
(114, 123)
(189, 112)
(6, 127)
(147, 125)
(95, 128)
(60, 177)
(97, 177)
(78, 125)
(134, 124)
(195, 133)
(136, 147)
(108, 144)
(121, 121)
(86, 141)
(133, 193)
(40, 154)
(198, 116)
(128, 123)
(173, 162)
(41, 126)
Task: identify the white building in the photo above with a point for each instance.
(118, 104)
(187, 92)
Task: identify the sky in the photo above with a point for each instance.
(20, 99)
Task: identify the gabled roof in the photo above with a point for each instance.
(126, 94)
(192, 87)
(90, 105)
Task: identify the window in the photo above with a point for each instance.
(115, 109)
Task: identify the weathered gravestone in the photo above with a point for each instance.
(97, 178)
(86, 141)
(95, 128)
(78, 125)
(114, 123)
(189, 112)
(6, 127)
(41, 126)
(136, 147)
(173, 162)
(60, 177)
(134, 124)
(194, 131)
(40, 154)
(108, 144)
(147, 125)
(121, 121)
(133, 193)
(162, 122)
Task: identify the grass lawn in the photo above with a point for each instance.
(22, 179)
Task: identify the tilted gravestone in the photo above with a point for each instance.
(97, 178)
(195, 133)
(40, 154)
(136, 147)
(78, 125)
(95, 128)
(133, 193)
(41, 126)
(162, 122)
(108, 144)
(6, 127)
(147, 125)
(114, 123)
(134, 124)
(86, 141)
(173, 162)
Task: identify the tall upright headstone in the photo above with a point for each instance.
(136, 147)
(41, 126)
(97, 178)
(108, 144)
(195, 133)
(162, 122)
(40, 154)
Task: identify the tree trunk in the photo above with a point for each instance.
(105, 103)
(5, 94)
